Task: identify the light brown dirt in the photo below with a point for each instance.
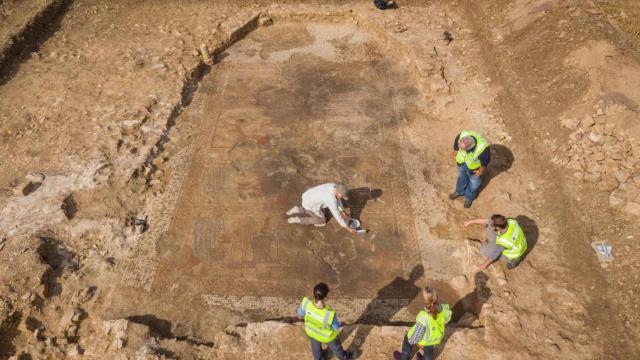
(151, 149)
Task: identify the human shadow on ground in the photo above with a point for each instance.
(473, 301)
(472, 304)
(384, 306)
(8, 332)
(501, 161)
(358, 199)
(531, 233)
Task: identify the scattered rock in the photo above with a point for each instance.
(587, 121)
(594, 137)
(206, 55)
(400, 28)
(158, 66)
(265, 20)
(570, 124)
(608, 183)
(632, 208)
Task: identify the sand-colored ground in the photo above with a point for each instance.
(152, 148)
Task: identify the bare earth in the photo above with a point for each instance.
(151, 149)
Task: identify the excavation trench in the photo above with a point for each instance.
(287, 107)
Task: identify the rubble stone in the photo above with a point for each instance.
(608, 183)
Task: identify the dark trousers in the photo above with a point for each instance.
(334, 345)
(407, 349)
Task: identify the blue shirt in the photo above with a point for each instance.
(484, 157)
(335, 325)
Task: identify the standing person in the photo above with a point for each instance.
(316, 201)
(506, 241)
(429, 329)
(472, 155)
(321, 324)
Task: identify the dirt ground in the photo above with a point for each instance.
(151, 149)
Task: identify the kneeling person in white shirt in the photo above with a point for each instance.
(314, 203)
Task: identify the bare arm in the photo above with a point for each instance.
(486, 264)
(340, 216)
(476, 222)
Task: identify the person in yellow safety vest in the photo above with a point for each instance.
(506, 241)
(321, 324)
(429, 329)
(472, 155)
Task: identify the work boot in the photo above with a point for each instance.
(513, 264)
(454, 195)
(293, 220)
(467, 203)
(350, 355)
(397, 355)
(294, 210)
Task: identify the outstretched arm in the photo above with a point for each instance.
(476, 222)
(340, 216)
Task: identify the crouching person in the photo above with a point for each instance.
(429, 329)
(506, 241)
(321, 324)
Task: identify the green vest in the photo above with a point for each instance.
(471, 158)
(434, 327)
(512, 240)
(317, 322)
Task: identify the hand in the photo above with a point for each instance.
(479, 172)
(467, 223)
(351, 230)
(483, 267)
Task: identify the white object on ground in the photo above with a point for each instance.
(293, 220)
(603, 250)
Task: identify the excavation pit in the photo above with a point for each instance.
(288, 107)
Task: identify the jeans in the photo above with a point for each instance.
(334, 345)
(467, 183)
(407, 349)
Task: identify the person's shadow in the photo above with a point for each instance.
(358, 199)
(473, 301)
(470, 304)
(501, 161)
(380, 310)
(531, 232)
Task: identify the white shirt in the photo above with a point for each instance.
(323, 197)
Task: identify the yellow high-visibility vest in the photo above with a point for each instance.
(435, 328)
(471, 158)
(512, 240)
(317, 322)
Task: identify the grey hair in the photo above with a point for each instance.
(342, 189)
(468, 141)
